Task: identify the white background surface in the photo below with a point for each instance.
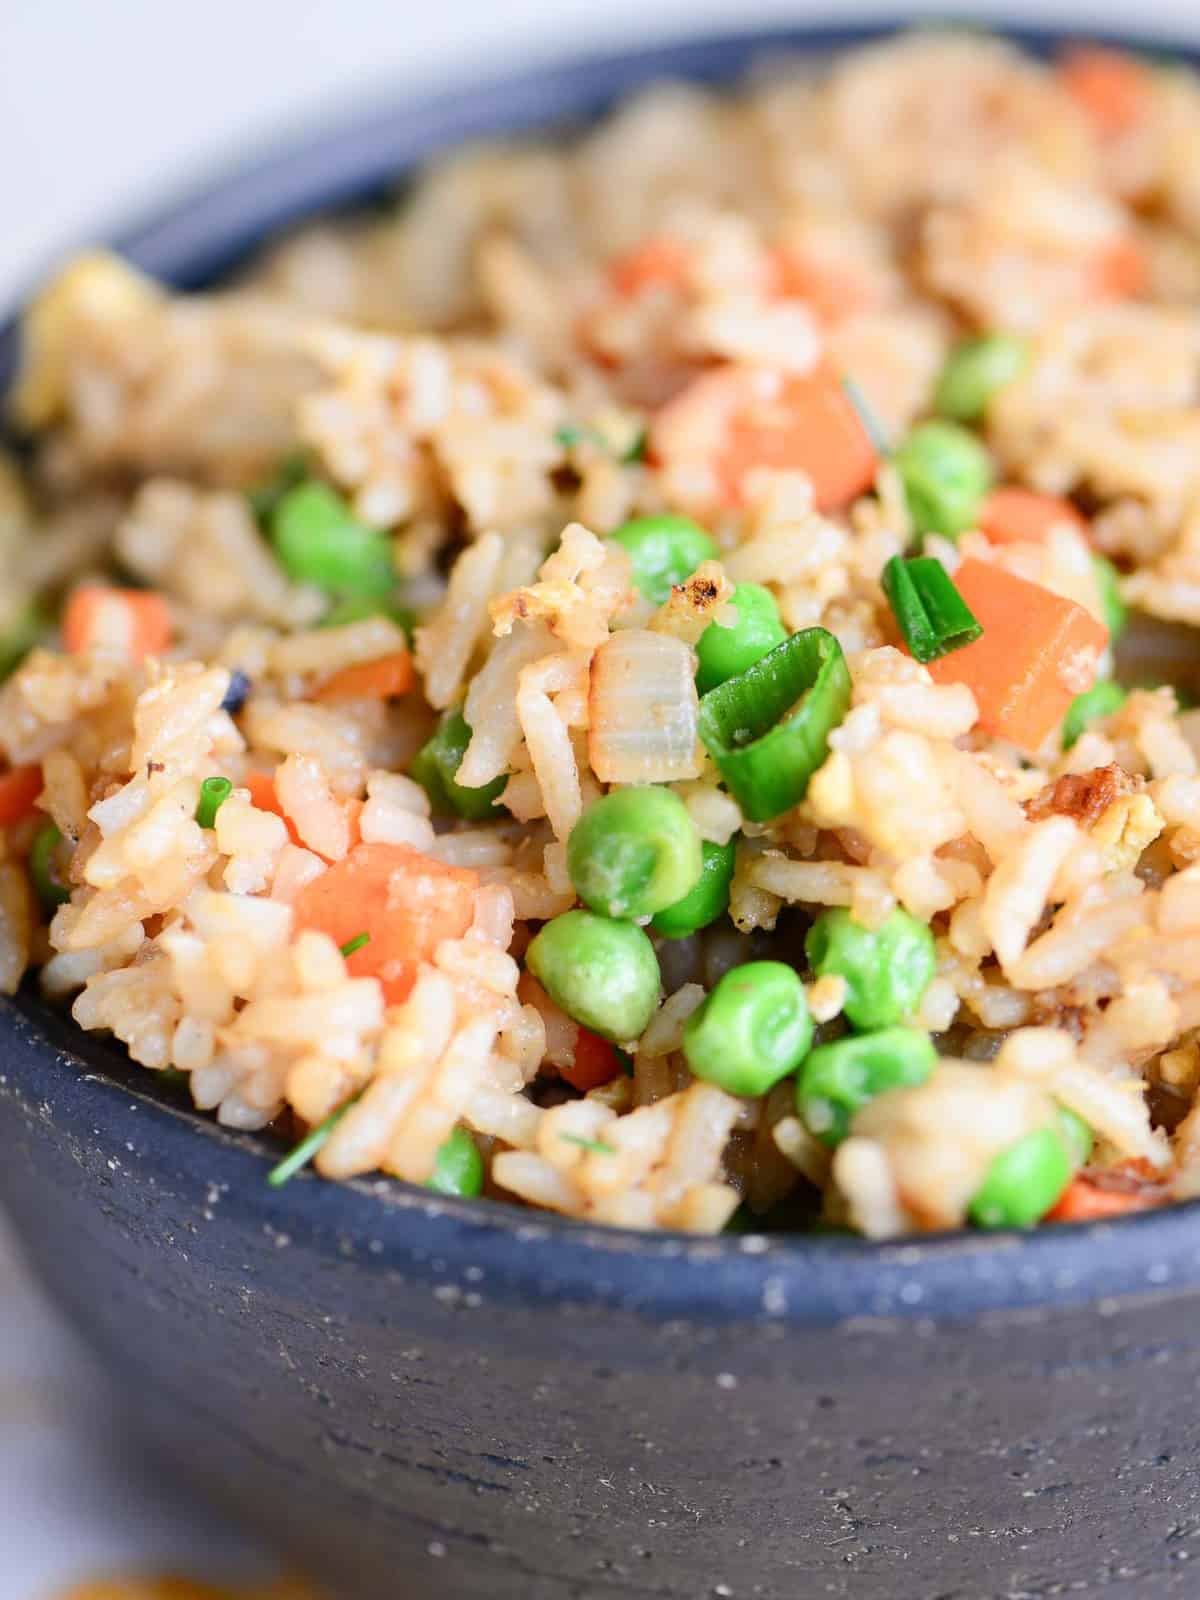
(104, 104)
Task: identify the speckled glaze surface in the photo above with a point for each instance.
(431, 1398)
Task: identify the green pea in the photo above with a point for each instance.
(1076, 1135)
(886, 969)
(725, 652)
(706, 901)
(437, 762)
(1101, 700)
(976, 370)
(458, 1166)
(1108, 581)
(946, 473)
(752, 1030)
(602, 973)
(839, 1078)
(319, 541)
(265, 496)
(44, 868)
(664, 551)
(634, 852)
(1023, 1182)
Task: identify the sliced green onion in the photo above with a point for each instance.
(597, 1146)
(625, 1060)
(351, 945)
(872, 427)
(213, 794)
(637, 450)
(934, 618)
(51, 892)
(768, 729)
(309, 1145)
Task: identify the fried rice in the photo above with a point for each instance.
(536, 346)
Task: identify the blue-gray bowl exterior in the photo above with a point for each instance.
(445, 1398)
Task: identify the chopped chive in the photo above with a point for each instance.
(51, 892)
(874, 429)
(934, 618)
(596, 1146)
(309, 1145)
(213, 794)
(768, 728)
(351, 945)
(637, 450)
(625, 1060)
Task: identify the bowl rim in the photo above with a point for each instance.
(50, 1064)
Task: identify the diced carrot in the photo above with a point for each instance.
(596, 1062)
(833, 291)
(19, 788)
(136, 622)
(659, 262)
(1110, 85)
(265, 796)
(1036, 653)
(1119, 271)
(811, 426)
(405, 902)
(354, 811)
(1085, 1201)
(1018, 516)
(382, 679)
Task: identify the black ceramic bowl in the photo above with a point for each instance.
(425, 1397)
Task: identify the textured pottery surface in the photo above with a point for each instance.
(432, 1398)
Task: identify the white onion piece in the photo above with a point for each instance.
(643, 709)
